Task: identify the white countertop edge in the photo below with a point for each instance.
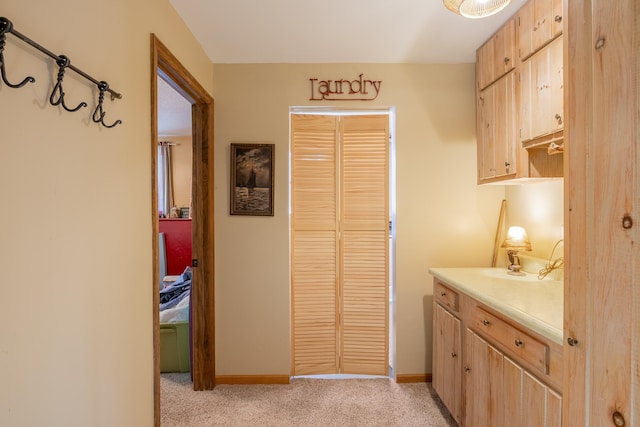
(537, 324)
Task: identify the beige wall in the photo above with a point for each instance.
(443, 217)
(76, 345)
(539, 208)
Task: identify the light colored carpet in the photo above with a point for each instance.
(304, 402)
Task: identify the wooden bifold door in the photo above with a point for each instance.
(340, 243)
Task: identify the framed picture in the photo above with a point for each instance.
(251, 179)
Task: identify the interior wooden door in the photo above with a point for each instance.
(314, 244)
(364, 244)
(339, 244)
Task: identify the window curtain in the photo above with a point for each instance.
(165, 179)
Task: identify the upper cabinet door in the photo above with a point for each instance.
(484, 64)
(541, 93)
(556, 13)
(525, 30)
(504, 46)
(496, 57)
(497, 131)
(539, 22)
(556, 68)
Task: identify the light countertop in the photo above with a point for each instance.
(536, 304)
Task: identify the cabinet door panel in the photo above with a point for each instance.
(556, 69)
(505, 136)
(554, 409)
(533, 401)
(541, 23)
(447, 360)
(496, 397)
(525, 83)
(557, 17)
(484, 63)
(512, 386)
(477, 381)
(503, 50)
(486, 123)
(541, 92)
(438, 380)
(525, 30)
(496, 131)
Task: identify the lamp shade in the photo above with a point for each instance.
(476, 8)
(517, 239)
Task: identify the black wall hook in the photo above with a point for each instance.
(98, 113)
(57, 94)
(5, 27)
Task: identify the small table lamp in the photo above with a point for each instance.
(516, 240)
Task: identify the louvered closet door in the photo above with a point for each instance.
(364, 244)
(314, 244)
(339, 244)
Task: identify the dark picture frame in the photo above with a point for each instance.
(251, 183)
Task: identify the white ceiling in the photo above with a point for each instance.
(327, 31)
(174, 112)
(332, 31)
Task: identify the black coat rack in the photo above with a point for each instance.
(57, 94)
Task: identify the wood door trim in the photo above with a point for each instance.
(163, 62)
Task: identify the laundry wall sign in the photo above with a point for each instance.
(358, 89)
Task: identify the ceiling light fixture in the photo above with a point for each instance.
(476, 8)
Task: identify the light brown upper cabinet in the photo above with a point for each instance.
(541, 93)
(496, 131)
(539, 22)
(496, 57)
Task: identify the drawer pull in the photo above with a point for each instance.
(443, 294)
(558, 18)
(518, 342)
(485, 322)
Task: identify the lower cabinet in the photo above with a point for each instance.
(498, 392)
(446, 360)
(488, 370)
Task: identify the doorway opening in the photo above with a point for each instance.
(202, 329)
(342, 210)
(175, 171)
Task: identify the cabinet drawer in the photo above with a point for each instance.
(521, 344)
(446, 296)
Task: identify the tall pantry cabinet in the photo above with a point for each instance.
(602, 215)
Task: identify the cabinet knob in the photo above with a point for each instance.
(518, 342)
(507, 164)
(559, 118)
(443, 294)
(467, 369)
(485, 322)
(558, 18)
(572, 341)
(507, 59)
(454, 355)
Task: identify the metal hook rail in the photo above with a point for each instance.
(63, 62)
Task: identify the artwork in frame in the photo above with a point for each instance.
(251, 179)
